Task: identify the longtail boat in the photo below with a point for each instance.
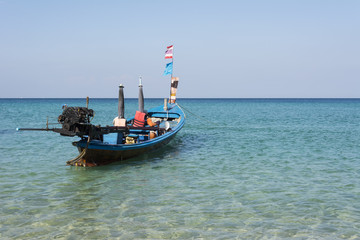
(146, 131)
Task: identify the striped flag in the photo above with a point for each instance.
(169, 52)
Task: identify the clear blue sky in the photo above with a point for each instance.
(289, 48)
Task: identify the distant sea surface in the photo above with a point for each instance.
(239, 169)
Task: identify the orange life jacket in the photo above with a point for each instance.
(150, 122)
(139, 120)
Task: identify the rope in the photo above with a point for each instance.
(75, 160)
(197, 116)
(181, 109)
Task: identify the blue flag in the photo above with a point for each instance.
(168, 69)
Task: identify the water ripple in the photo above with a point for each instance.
(278, 170)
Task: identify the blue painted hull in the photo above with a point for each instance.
(101, 153)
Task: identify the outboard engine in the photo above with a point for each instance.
(76, 119)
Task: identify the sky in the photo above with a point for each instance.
(222, 49)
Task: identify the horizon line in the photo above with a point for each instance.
(184, 98)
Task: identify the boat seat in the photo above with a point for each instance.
(139, 131)
(164, 115)
(133, 135)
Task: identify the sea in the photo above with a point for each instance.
(239, 169)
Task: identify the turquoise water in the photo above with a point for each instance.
(239, 169)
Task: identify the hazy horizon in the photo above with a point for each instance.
(227, 49)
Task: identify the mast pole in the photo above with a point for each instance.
(172, 62)
(141, 96)
(121, 105)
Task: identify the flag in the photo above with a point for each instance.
(174, 85)
(169, 52)
(168, 69)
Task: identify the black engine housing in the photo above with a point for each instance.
(73, 118)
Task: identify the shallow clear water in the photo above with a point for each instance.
(240, 168)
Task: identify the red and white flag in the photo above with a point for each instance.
(169, 52)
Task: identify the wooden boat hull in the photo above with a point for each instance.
(98, 157)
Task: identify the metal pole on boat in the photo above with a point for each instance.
(121, 105)
(141, 96)
(172, 72)
(165, 104)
